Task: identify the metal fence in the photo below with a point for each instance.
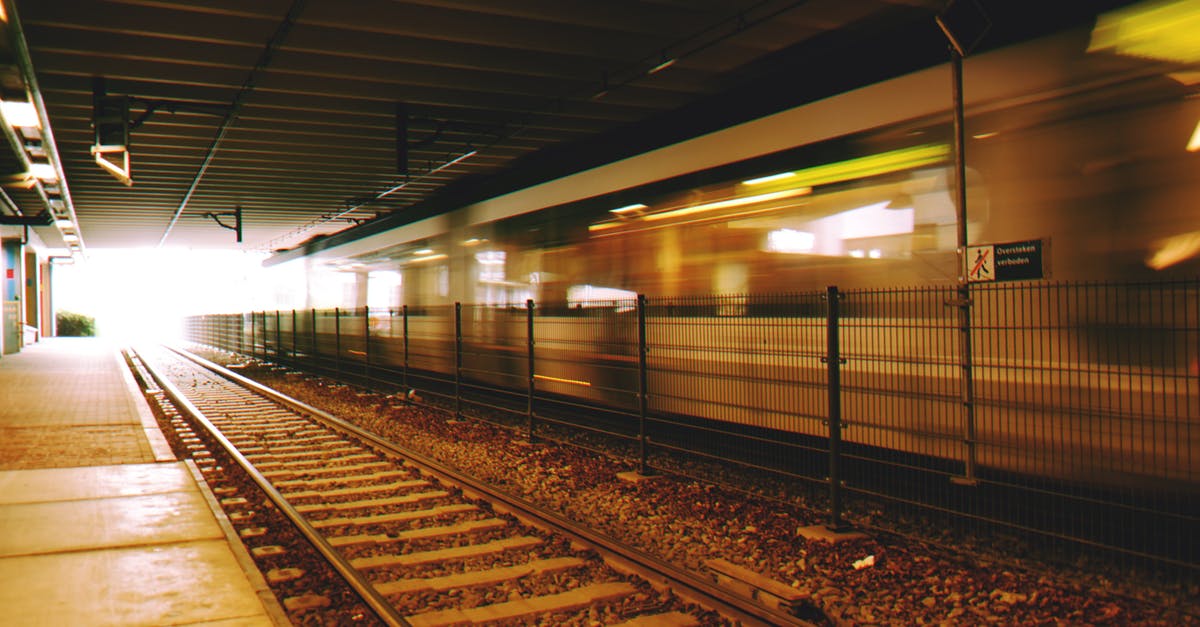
(1064, 415)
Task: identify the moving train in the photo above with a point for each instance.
(1080, 150)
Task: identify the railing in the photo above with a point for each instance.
(1083, 417)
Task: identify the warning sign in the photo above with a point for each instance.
(1011, 261)
(981, 263)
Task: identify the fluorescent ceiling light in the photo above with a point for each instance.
(637, 206)
(429, 258)
(70, 237)
(43, 171)
(768, 179)
(662, 66)
(1194, 143)
(20, 114)
(422, 252)
(63, 224)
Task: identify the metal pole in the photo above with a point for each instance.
(530, 363)
(833, 362)
(294, 335)
(337, 342)
(278, 337)
(404, 378)
(367, 344)
(458, 361)
(963, 300)
(313, 331)
(643, 385)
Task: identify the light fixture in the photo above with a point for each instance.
(20, 114)
(423, 252)
(603, 91)
(121, 172)
(43, 172)
(637, 206)
(1194, 143)
(70, 237)
(664, 64)
(63, 224)
(987, 135)
(429, 258)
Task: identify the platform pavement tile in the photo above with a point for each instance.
(64, 381)
(65, 446)
(182, 584)
(91, 482)
(32, 528)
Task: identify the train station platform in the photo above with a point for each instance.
(99, 523)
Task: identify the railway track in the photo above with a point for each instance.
(421, 544)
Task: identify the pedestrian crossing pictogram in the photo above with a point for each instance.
(981, 263)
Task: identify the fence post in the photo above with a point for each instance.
(833, 362)
(241, 331)
(458, 355)
(530, 363)
(278, 337)
(367, 344)
(404, 328)
(294, 335)
(963, 300)
(314, 352)
(337, 341)
(643, 385)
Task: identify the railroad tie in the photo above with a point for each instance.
(479, 577)
(443, 555)
(668, 619)
(416, 534)
(394, 500)
(562, 602)
(396, 517)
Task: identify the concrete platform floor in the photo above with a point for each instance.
(98, 524)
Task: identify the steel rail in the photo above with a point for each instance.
(365, 590)
(685, 583)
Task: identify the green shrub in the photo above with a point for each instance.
(75, 325)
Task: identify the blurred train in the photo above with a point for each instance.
(1073, 141)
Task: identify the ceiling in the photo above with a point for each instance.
(294, 111)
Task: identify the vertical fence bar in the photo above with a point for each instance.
(404, 328)
(294, 335)
(337, 341)
(963, 300)
(833, 362)
(458, 361)
(643, 385)
(241, 331)
(278, 337)
(313, 330)
(367, 344)
(530, 363)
